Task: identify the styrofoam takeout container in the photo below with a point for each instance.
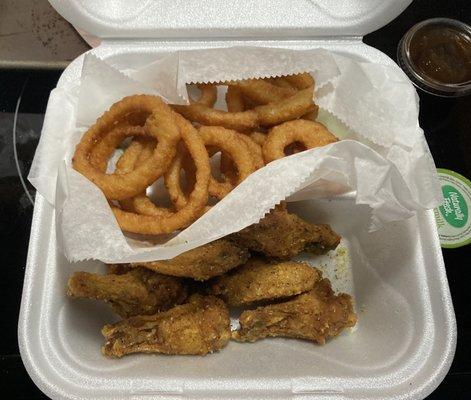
(405, 339)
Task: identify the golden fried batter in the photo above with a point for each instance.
(316, 315)
(139, 291)
(198, 327)
(260, 280)
(202, 263)
(284, 235)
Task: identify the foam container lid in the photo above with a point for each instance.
(220, 18)
(404, 342)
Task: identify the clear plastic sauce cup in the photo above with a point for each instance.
(436, 55)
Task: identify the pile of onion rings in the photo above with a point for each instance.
(266, 119)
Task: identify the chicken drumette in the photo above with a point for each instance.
(137, 291)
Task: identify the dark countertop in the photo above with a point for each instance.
(447, 126)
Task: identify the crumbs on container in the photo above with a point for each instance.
(341, 259)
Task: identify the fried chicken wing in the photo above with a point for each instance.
(316, 315)
(198, 327)
(260, 280)
(202, 263)
(284, 235)
(138, 291)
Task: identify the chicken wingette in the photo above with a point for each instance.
(261, 280)
(202, 263)
(283, 235)
(198, 327)
(315, 315)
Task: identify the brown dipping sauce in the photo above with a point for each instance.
(442, 54)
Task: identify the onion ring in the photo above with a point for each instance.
(281, 82)
(178, 196)
(311, 134)
(312, 114)
(104, 149)
(143, 205)
(193, 209)
(304, 81)
(300, 81)
(205, 115)
(291, 108)
(229, 142)
(234, 99)
(262, 91)
(255, 150)
(229, 169)
(258, 137)
(182, 161)
(160, 125)
(138, 152)
(209, 95)
(294, 148)
(280, 110)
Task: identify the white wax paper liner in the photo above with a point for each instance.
(246, 204)
(216, 65)
(392, 171)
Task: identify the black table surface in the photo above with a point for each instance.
(447, 126)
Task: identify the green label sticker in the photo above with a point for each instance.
(454, 207)
(452, 216)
